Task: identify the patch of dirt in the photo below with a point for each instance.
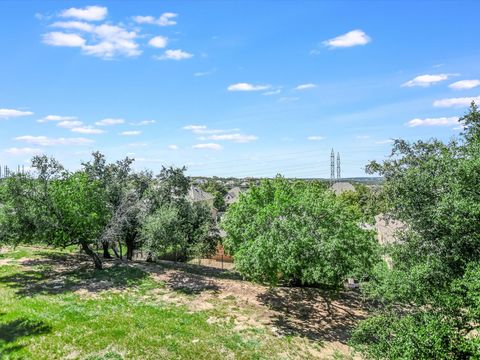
(4, 262)
(309, 313)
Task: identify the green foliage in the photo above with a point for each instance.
(218, 190)
(431, 293)
(297, 232)
(175, 225)
(370, 200)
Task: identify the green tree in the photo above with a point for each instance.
(55, 207)
(430, 307)
(298, 233)
(174, 224)
(218, 190)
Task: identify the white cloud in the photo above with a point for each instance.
(158, 42)
(247, 87)
(305, 86)
(23, 151)
(352, 38)
(88, 130)
(272, 92)
(210, 146)
(69, 124)
(194, 128)
(315, 138)
(63, 39)
(89, 13)
(46, 141)
(204, 73)
(464, 84)
(202, 129)
(441, 121)
(166, 19)
(456, 102)
(238, 138)
(74, 25)
(143, 123)
(56, 118)
(173, 147)
(426, 80)
(12, 113)
(109, 122)
(113, 40)
(174, 55)
(130, 133)
(105, 40)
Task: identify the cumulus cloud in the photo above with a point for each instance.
(173, 147)
(174, 55)
(247, 87)
(56, 118)
(46, 141)
(456, 102)
(158, 42)
(166, 19)
(13, 113)
(105, 40)
(63, 39)
(426, 80)
(109, 122)
(305, 86)
(441, 121)
(315, 138)
(210, 146)
(69, 124)
(23, 151)
(352, 38)
(465, 84)
(87, 130)
(238, 138)
(130, 133)
(88, 13)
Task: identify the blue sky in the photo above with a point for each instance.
(233, 88)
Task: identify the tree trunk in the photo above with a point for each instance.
(130, 242)
(106, 253)
(93, 255)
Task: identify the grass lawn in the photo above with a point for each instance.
(54, 305)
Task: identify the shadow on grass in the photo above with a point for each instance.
(189, 278)
(316, 314)
(16, 329)
(61, 273)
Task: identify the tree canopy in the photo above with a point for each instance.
(297, 233)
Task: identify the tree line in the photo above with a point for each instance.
(105, 204)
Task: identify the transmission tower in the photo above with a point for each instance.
(339, 172)
(332, 167)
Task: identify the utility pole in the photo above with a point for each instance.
(339, 173)
(332, 167)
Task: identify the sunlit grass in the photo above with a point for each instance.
(44, 316)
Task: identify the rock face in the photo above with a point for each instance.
(341, 187)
